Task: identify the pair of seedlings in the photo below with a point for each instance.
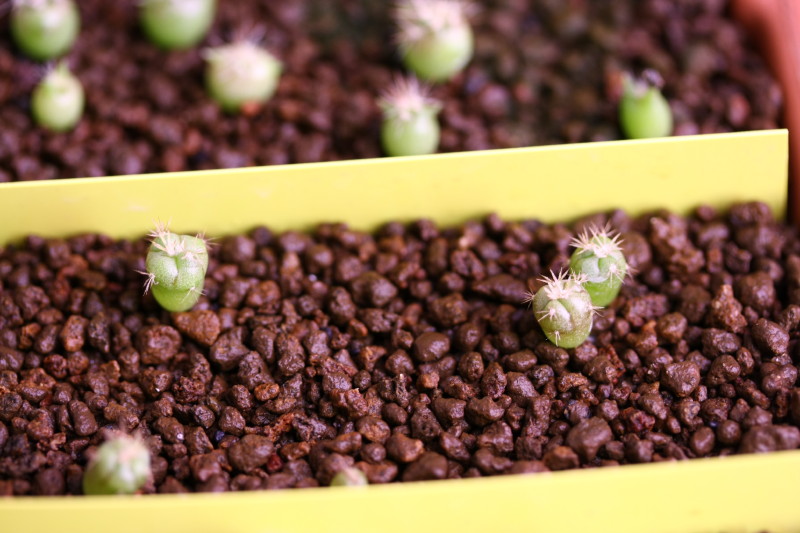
(47, 29)
(121, 465)
(176, 270)
(436, 42)
(411, 126)
(566, 303)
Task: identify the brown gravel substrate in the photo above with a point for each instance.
(407, 353)
(544, 73)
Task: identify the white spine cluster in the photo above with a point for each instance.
(602, 242)
(407, 98)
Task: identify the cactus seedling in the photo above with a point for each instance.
(57, 102)
(643, 110)
(241, 74)
(44, 29)
(598, 258)
(176, 24)
(120, 466)
(409, 125)
(349, 477)
(434, 36)
(176, 269)
(564, 310)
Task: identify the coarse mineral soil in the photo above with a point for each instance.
(545, 72)
(408, 353)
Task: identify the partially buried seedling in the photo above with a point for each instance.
(564, 310)
(176, 24)
(349, 477)
(121, 465)
(410, 125)
(176, 269)
(598, 258)
(57, 102)
(643, 110)
(44, 29)
(241, 74)
(435, 38)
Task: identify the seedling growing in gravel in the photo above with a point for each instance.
(434, 36)
(564, 310)
(598, 258)
(176, 24)
(120, 466)
(410, 126)
(349, 477)
(643, 110)
(176, 269)
(241, 74)
(57, 102)
(44, 29)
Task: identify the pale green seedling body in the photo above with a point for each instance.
(644, 113)
(240, 74)
(120, 466)
(349, 477)
(176, 24)
(439, 56)
(418, 135)
(599, 261)
(44, 29)
(564, 311)
(57, 102)
(176, 265)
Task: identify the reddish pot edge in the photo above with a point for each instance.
(775, 24)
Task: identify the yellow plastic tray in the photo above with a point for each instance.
(733, 494)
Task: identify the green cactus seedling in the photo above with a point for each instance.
(599, 259)
(435, 38)
(176, 269)
(564, 310)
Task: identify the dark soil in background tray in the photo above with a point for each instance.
(542, 74)
(408, 353)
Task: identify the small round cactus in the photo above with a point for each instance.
(241, 74)
(120, 466)
(176, 24)
(57, 102)
(564, 310)
(643, 111)
(44, 29)
(349, 477)
(176, 269)
(435, 38)
(410, 126)
(598, 258)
